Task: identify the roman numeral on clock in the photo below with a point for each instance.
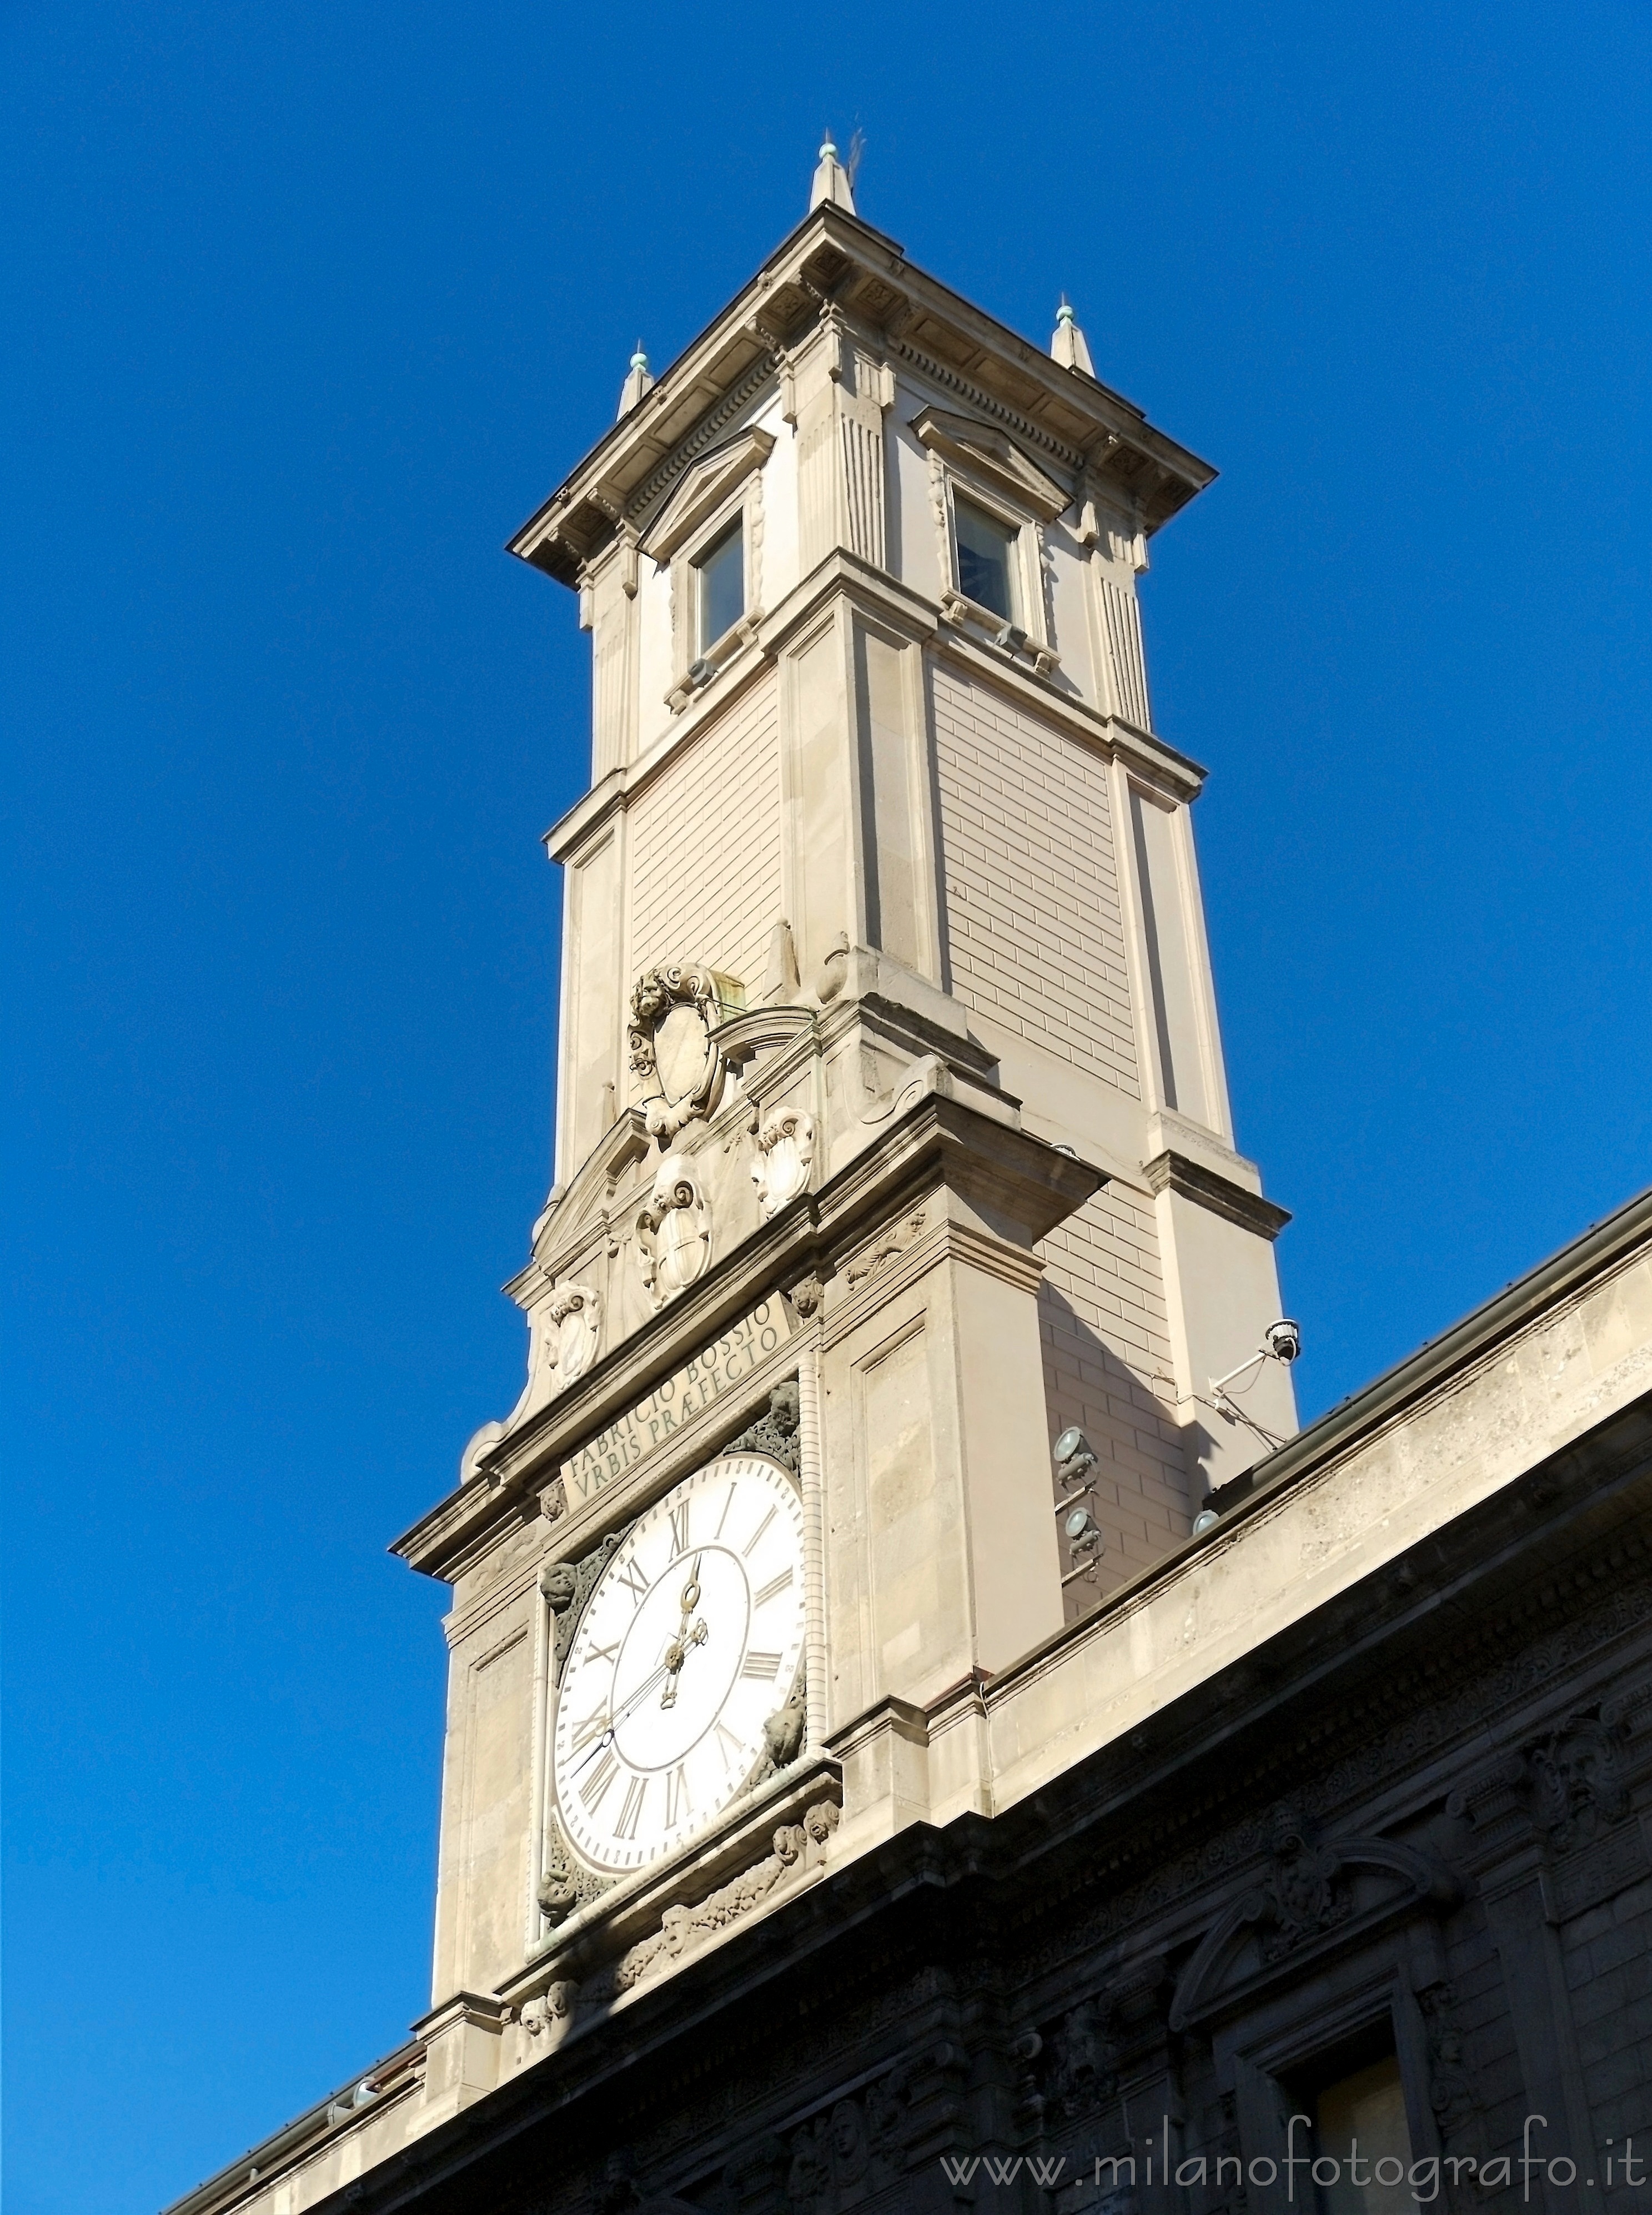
(678, 1804)
(593, 1726)
(603, 1652)
(599, 1781)
(774, 1585)
(766, 1667)
(680, 1528)
(631, 1810)
(730, 1747)
(631, 1576)
(759, 1532)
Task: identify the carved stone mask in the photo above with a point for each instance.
(847, 2141)
(558, 1583)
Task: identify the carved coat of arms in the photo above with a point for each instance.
(576, 1310)
(673, 1232)
(673, 1012)
(785, 1147)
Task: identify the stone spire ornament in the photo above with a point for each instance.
(1067, 343)
(831, 180)
(639, 380)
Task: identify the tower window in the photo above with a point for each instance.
(986, 559)
(721, 571)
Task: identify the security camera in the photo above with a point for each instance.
(1284, 1340)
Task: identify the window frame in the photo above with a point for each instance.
(979, 462)
(1272, 2045)
(1027, 604)
(998, 512)
(727, 523)
(723, 488)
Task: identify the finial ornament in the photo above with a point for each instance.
(833, 181)
(638, 382)
(1068, 345)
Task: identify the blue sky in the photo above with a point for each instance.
(307, 307)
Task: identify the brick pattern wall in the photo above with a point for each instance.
(1037, 940)
(705, 851)
(1608, 1957)
(1480, 2014)
(1103, 1322)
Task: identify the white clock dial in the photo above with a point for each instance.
(689, 1643)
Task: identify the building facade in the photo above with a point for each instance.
(924, 1730)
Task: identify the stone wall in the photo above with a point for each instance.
(705, 853)
(1107, 1368)
(1033, 915)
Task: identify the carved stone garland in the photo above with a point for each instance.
(565, 1884)
(681, 1928)
(777, 1433)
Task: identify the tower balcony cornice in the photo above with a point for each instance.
(834, 259)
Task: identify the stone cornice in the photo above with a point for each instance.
(1175, 1172)
(1615, 1242)
(939, 1140)
(1073, 417)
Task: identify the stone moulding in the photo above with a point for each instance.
(1177, 1173)
(1302, 1906)
(703, 488)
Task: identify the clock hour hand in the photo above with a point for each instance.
(677, 1652)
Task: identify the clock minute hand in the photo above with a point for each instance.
(623, 1709)
(667, 1667)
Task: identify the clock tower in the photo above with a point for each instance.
(924, 1730)
(880, 1313)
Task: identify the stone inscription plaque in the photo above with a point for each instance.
(727, 1362)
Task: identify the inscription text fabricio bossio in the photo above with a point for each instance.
(633, 1436)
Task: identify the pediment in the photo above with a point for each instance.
(612, 1167)
(982, 448)
(1314, 1898)
(703, 489)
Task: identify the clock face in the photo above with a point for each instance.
(689, 1641)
